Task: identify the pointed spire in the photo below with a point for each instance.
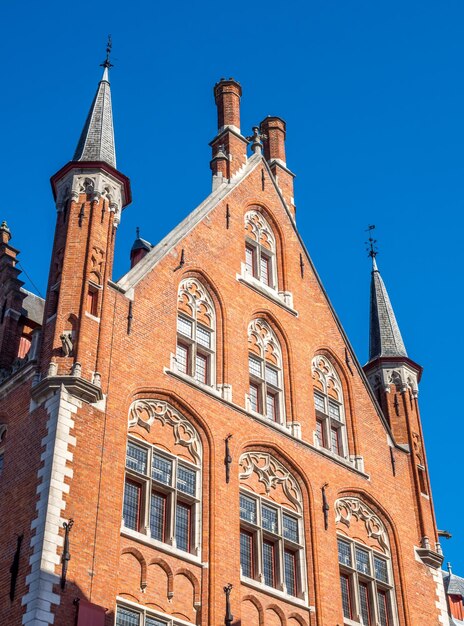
(384, 333)
(97, 139)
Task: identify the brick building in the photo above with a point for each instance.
(203, 421)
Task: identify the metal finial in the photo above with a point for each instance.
(107, 63)
(371, 243)
(137, 233)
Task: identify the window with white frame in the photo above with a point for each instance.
(271, 526)
(270, 544)
(162, 496)
(330, 430)
(265, 394)
(131, 616)
(260, 249)
(366, 584)
(196, 342)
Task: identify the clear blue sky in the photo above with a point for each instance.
(373, 96)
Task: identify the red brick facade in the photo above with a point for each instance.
(107, 370)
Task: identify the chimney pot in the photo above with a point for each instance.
(275, 130)
(227, 94)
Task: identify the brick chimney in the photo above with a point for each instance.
(274, 131)
(229, 146)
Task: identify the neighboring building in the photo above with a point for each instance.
(454, 588)
(204, 420)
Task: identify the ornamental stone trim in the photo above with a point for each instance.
(348, 508)
(271, 473)
(144, 412)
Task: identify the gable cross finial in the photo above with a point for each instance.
(107, 63)
(371, 243)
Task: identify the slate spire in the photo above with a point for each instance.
(384, 333)
(97, 139)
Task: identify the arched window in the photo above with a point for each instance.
(265, 369)
(196, 339)
(260, 249)
(328, 401)
(162, 489)
(366, 576)
(271, 525)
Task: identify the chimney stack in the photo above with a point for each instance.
(229, 146)
(274, 131)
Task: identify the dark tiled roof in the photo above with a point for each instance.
(97, 140)
(33, 307)
(384, 336)
(454, 585)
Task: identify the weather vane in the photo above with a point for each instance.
(107, 63)
(371, 243)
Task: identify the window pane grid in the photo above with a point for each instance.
(186, 480)
(319, 403)
(364, 604)
(269, 519)
(246, 554)
(271, 407)
(290, 572)
(161, 469)
(380, 569)
(203, 337)
(384, 618)
(272, 376)
(254, 398)
(254, 366)
(157, 516)
(264, 270)
(136, 458)
(268, 564)
(201, 368)
(127, 618)
(290, 528)
(344, 553)
(182, 358)
(346, 596)
(247, 509)
(183, 527)
(184, 327)
(152, 621)
(362, 562)
(334, 410)
(131, 507)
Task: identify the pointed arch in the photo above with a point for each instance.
(258, 606)
(196, 332)
(271, 500)
(329, 406)
(260, 248)
(143, 564)
(164, 565)
(278, 611)
(265, 364)
(195, 583)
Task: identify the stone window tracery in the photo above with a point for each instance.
(366, 577)
(330, 430)
(265, 371)
(271, 525)
(260, 249)
(196, 338)
(139, 616)
(162, 492)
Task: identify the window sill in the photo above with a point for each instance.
(92, 317)
(219, 391)
(278, 297)
(285, 430)
(159, 545)
(250, 582)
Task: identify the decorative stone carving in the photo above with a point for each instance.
(348, 508)
(417, 447)
(271, 473)
(96, 259)
(324, 372)
(261, 337)
(66, 343)
(193, 296)
(144, 413)
(259, 230)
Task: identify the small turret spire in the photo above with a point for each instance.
(97, 139)
(384, 334)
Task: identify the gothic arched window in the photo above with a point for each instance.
(271, 525)
(162, 492)
(265, 370)
(260, 249)
(366, 576)
(328, 401)
(196, 341)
